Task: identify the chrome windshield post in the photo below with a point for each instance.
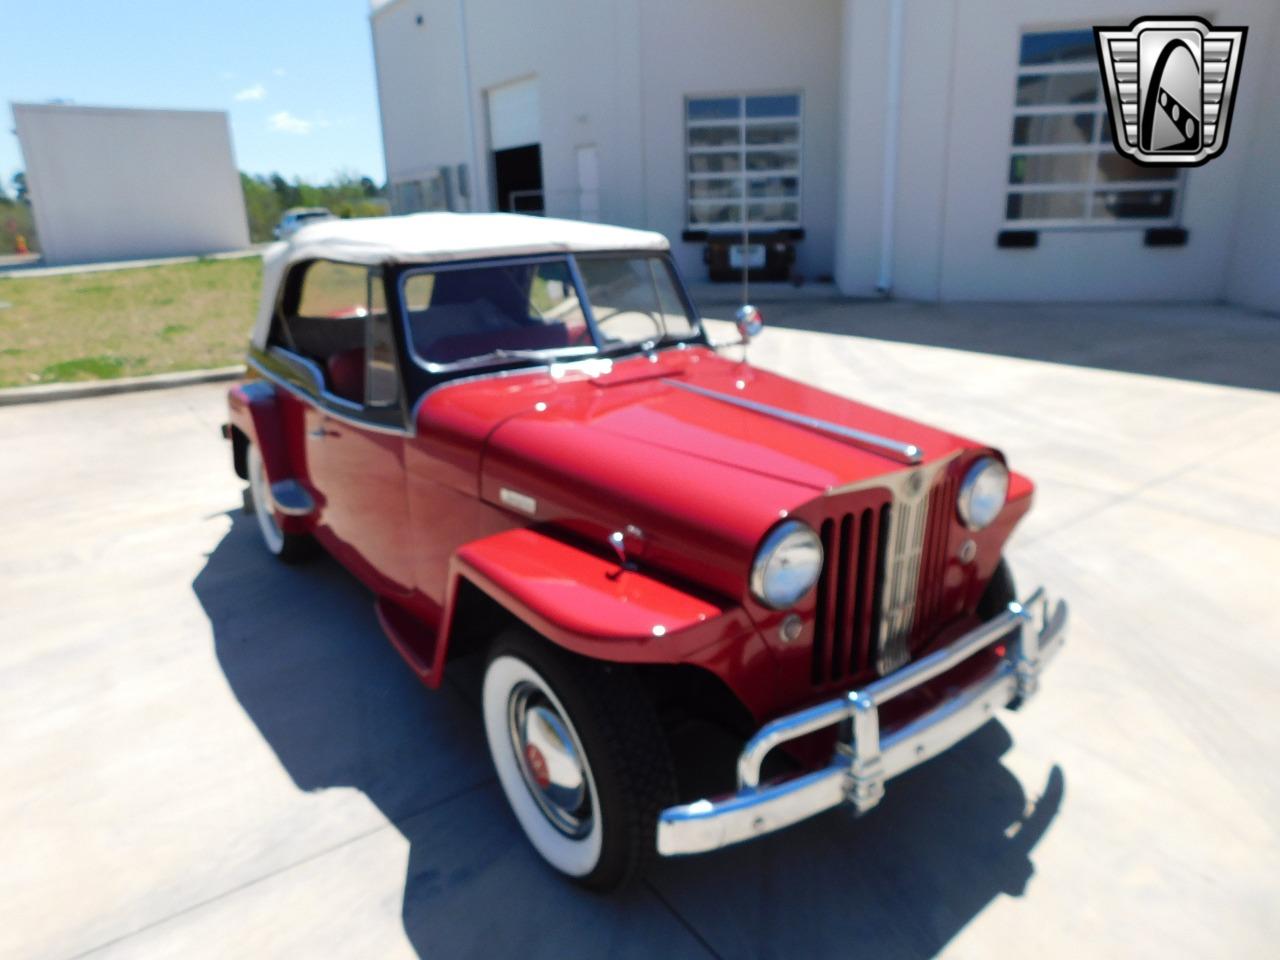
(867, 772)
(580, 285)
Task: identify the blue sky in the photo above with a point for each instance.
(296, 77)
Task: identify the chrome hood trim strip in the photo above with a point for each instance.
(906, 452)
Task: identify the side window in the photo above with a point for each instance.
(335, 315)
(331, 290)
(461, 313)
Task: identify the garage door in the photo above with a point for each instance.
(513, 114)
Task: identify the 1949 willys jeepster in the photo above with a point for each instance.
(713, 601)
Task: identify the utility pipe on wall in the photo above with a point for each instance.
(889, 183)
(478, 178)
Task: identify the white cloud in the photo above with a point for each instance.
(286, 122)
(256, 92)
(278, 71)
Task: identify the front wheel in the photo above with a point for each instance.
(580, 755)
(1000, 592)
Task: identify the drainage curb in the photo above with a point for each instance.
(47, 392)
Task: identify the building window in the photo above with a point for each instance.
(743, 161)
(431, 192)
(1064, 170)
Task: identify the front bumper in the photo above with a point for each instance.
(864, 760)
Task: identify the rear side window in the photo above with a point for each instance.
(333, 290)
(335, 315)
(463, 313)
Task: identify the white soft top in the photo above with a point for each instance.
(437, 238)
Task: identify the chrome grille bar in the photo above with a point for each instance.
(901, 582)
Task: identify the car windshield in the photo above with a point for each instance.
(470, 316)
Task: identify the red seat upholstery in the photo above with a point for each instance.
(346, 374)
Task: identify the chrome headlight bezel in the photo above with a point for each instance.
(787, 544)
(984, 491)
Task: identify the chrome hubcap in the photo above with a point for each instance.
(550, 760)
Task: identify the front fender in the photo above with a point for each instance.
(588, 603)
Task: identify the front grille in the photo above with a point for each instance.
(929, 606)
(850, 593)
(881, 591)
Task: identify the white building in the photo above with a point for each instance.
(911, 141)
(118, 184)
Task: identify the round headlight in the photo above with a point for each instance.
(982, 493)
(787, 564)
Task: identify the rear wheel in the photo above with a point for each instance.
(289, 547)
(580, 755)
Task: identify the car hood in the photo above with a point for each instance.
(661, 447)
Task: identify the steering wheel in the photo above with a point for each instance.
(647, 314)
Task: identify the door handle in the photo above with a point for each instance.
(320, 433)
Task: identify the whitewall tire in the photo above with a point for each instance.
(512, 686)
(580, 755)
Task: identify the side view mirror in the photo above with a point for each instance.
(749, 321)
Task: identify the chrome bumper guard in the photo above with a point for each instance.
(861, 765)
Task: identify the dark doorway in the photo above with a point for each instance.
(518, 172)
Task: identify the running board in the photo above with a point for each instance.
(413, 639)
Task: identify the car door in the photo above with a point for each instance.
(355, 437)
(358, 471)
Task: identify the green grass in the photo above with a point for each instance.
(84, 368)
(126, 323)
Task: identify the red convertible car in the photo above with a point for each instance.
(713, 601)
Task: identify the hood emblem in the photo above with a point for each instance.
(906, 452)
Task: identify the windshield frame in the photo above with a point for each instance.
(571, 354)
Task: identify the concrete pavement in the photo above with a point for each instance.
(203, 753)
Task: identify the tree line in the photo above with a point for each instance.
(17, 229)
(266, 198)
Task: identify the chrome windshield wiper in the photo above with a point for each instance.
(551, 354)
(502, 353)
(546, 353)
(642, 346)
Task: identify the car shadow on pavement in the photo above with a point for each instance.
(302, 652)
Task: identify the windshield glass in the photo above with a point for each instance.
(634, 300)
(531, 311)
